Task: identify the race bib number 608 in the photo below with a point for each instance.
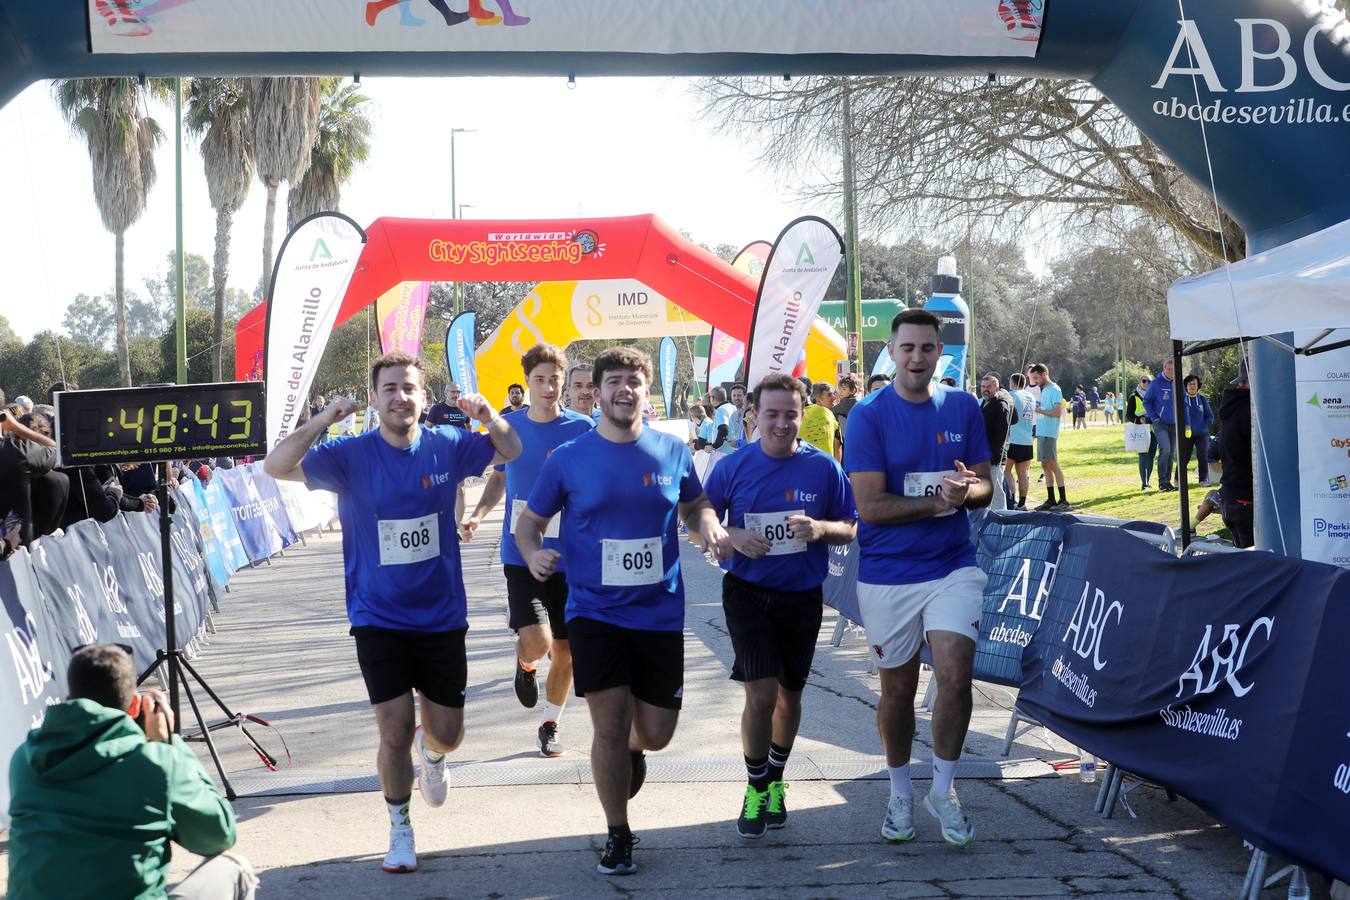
(404, 541)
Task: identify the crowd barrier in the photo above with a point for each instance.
(102, 582)
(1220, 676)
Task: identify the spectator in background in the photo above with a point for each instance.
(850, 390)
(1049, 411)
(102, 786)
(1195, 430)
(736, 428)
(999, 412)
(515, 399)
(1235, 412)
(1161, 406)
(447, 412)
(876, 383)
(819, 426)
(949, 381)
(1020, 439)
(1079, 407)
(32, 497)
(1094, 401)
(1135, 412)
(721, 419)
(1109, 407)
(702, 426)
(25, 404)
(317, 406)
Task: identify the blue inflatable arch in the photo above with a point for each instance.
(1269, 78)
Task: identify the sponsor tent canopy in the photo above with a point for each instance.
(1304, 284)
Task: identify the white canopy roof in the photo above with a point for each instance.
(1304, 284)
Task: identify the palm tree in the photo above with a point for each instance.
(217, 112)
(285, 114)
(343, 141)
(110, 114)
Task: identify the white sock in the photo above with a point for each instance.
(900, 784)
(944, 773)
(399, 817)
(552, 712)
(431, 756)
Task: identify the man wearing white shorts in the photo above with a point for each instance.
(918, 458)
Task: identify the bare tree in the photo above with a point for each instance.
(933, 149)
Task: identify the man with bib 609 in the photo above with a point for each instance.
(918, 458)
(405, 590)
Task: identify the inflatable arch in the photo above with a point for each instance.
(632, 276)
(1260, 89)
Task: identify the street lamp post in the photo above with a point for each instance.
(454, 204)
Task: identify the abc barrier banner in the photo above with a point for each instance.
(459, 352)
(401, 312)
(1322, 396)
(924, 27)
(222, 524)
(798, 273)
(1018, 554)
(841, 581)
(668, 360)
(266, 487)
(309, 279)
(217, 564)
(1222, 677)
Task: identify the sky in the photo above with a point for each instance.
(607, 147)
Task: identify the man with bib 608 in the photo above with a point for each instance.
(622, 488)
(785, 500)
(918, 458)
(405, 590)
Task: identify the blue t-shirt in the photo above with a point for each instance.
(889, 434)
(1020, 433)
(537, 441)
(408, 490)
(1048, 426)
(722, 417)
(707, 431)
(619, 492)
(752, 481)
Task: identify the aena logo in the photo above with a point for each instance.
(1265, 40)
(320, 250)
(1224, 667)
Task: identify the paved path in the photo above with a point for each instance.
(517, 825)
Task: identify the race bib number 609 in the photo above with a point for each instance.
(632, 562)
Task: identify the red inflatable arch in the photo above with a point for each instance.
(638, 247)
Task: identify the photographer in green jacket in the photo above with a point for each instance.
(101, 787)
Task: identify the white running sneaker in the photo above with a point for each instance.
(431, 781)
(899, 824)
(956, 828)
(401, 858)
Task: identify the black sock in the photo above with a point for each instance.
(1022, 500)
(757, 772)
(620, 832)
(1050, 491)
(778, 757)
(1062, 498)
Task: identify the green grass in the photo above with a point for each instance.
(1103, 480)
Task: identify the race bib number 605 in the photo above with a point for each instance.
(927, 484)
(404, 541)
(632, 562)
(774, 528)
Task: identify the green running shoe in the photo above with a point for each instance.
(776, 814)
(751, 824)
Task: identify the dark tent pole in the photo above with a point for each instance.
(1179, 402)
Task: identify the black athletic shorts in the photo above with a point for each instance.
(649, 663)
(1019, 453)
(395, 662)
(773, 632)
(532, 602)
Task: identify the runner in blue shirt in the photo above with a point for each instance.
(581, 393)
(785, 500)
(1049, 415)
(405, 591)
(536, 609)
(620, 488)
(918, 458)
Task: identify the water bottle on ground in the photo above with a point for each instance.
(1298, 885)
(1087, 767)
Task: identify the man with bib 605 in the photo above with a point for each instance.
(785, 501)
(405, 590)
(536, 609)
(620, 487)
(918, 458)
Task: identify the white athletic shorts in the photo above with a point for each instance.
(897, 616)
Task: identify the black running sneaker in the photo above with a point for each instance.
(549, 745)
(618, 856)
(776, 813)
(751, 823)
(639, 773)
(527, 687)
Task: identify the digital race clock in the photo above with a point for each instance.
(149, 424)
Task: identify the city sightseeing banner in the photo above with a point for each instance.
(921, 27)
(1222, 677)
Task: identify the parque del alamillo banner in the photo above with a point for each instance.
(921, 27)
(798, 273)
(309, 280)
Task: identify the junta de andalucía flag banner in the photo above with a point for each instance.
(798, 273)
(459, 352)
(309, 279)
(401, 312)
